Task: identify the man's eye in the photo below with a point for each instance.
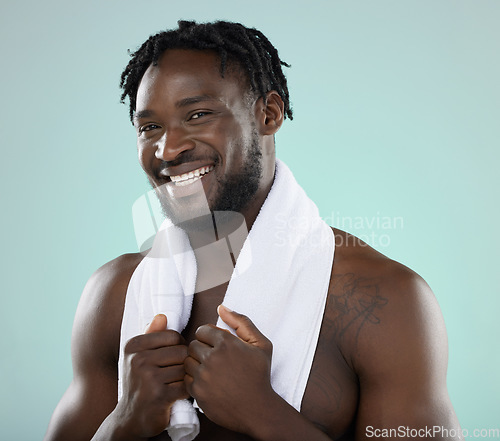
(148, 127)
(198, 115)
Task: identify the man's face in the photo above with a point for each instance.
(196, 136)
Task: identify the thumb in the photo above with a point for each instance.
(159, 323)
(244, 327)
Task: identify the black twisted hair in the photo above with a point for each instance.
(233, 42)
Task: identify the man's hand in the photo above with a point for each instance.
(229, 376)
(153, 378)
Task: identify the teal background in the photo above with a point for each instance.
(397, 115)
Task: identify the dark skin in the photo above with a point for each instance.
(381, 357)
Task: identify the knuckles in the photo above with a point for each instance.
(177, 354)
(197, 385)
(183, 353)
(267, 347)
(137, 361)
(194, 350)
(225, 341)
(205, 331)
(132, 346)
(154, 340)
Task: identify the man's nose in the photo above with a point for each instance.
(172, 144)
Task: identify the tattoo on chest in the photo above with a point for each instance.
(353, 302)
(331, 396)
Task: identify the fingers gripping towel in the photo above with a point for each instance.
(280, 282)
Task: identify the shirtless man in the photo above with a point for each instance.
(381, 357)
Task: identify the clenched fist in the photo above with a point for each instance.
(230, 376)
(153, 378)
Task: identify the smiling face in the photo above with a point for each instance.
(204, 141)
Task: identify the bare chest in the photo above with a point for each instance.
(331, 395)
(204, 310)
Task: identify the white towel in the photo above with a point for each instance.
(280, 282)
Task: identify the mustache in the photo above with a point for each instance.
(186, 157)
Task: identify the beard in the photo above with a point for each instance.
(234, 193)
(236, 190)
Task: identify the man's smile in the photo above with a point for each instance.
(186, 179)
(192, 176)
(186, 173)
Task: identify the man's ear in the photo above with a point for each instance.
(271, 113)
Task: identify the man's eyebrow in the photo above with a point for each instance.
(194, 100)
(143, 114)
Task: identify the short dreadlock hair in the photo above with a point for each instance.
(247, 47)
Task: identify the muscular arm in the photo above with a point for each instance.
(401, 359)
(92, 395)
(389, 328)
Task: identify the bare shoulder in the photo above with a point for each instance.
(386, 323)
(100, 310)
(92, 394)
(380, 309)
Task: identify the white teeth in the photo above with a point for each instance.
(192, 176)
(188, 181)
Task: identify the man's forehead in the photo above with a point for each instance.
(195, 73)
(187, 58)
(202, 63)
